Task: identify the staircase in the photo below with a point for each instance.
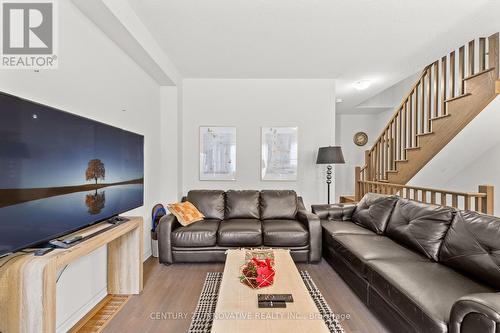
(448, 95)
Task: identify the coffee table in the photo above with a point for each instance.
(237, 309)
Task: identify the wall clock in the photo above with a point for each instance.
(360, 138)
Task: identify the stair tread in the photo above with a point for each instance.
(477, 74)
(412, 148)
(457, 97)
(441, 116)
(426, 133)
(401, 160)
(392, 171)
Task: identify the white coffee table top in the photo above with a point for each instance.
(237, 307)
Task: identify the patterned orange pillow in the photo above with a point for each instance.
(185, 212)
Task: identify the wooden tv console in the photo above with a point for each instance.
(28, 283)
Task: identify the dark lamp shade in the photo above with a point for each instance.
(330, 155)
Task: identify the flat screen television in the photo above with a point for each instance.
(60, 173)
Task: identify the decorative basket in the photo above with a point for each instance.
(258, 273)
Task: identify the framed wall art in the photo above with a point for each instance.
(217, 153)
(279, 153)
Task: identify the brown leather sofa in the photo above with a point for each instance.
(418, 267)
(236, 219)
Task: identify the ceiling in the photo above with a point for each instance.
(381, 40)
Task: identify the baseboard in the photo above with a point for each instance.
(86, 308)
(147, 255)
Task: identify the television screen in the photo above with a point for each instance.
(60, 172)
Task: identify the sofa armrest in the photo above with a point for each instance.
(313, 223)
(341, 212)
(476, 313)
(165, 227)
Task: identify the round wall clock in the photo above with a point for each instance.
(360, 138)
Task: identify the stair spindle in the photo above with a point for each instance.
(414, 130)
(471, 58)
(405, 131)
(386, 154)
(389, 150)
(461, 70)
(410, 117)
(482, 54)
(421, 107)
(394, 143)
(429, 100)
(493, 53)
(436, 91)
(451, 93)
(381, 176)
(443, 85)
(378, 159)
(443, 199)
(398, 138)
(467, 201)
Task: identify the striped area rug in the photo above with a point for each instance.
(204, 313)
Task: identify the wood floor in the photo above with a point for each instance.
(173, 291)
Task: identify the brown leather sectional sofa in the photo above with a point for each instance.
(418, 267)
(236, 219)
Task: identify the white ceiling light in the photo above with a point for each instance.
(362, 84)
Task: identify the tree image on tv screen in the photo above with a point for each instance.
(95, 202)
(95, 170)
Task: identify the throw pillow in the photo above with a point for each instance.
(185, 212)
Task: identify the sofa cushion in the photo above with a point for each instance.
(373, 211)
(278, 204)
(240, 232)
(472, 246)
(209, 202)
(419, 226)
(339, 228)
(423, 291)
(357, 250)
(242, 205)
(198, 234)
(372, 247)
(284, 233)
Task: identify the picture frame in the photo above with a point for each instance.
(279, 153)
(217, 153)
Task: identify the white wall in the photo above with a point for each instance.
(347, 125)
(171, 182)
(97, 80)
(472, 158)
(249, 104)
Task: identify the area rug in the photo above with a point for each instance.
(203, 316)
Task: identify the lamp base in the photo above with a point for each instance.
(328, 180)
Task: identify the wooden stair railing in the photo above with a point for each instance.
(481, 201)
(449, 93)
